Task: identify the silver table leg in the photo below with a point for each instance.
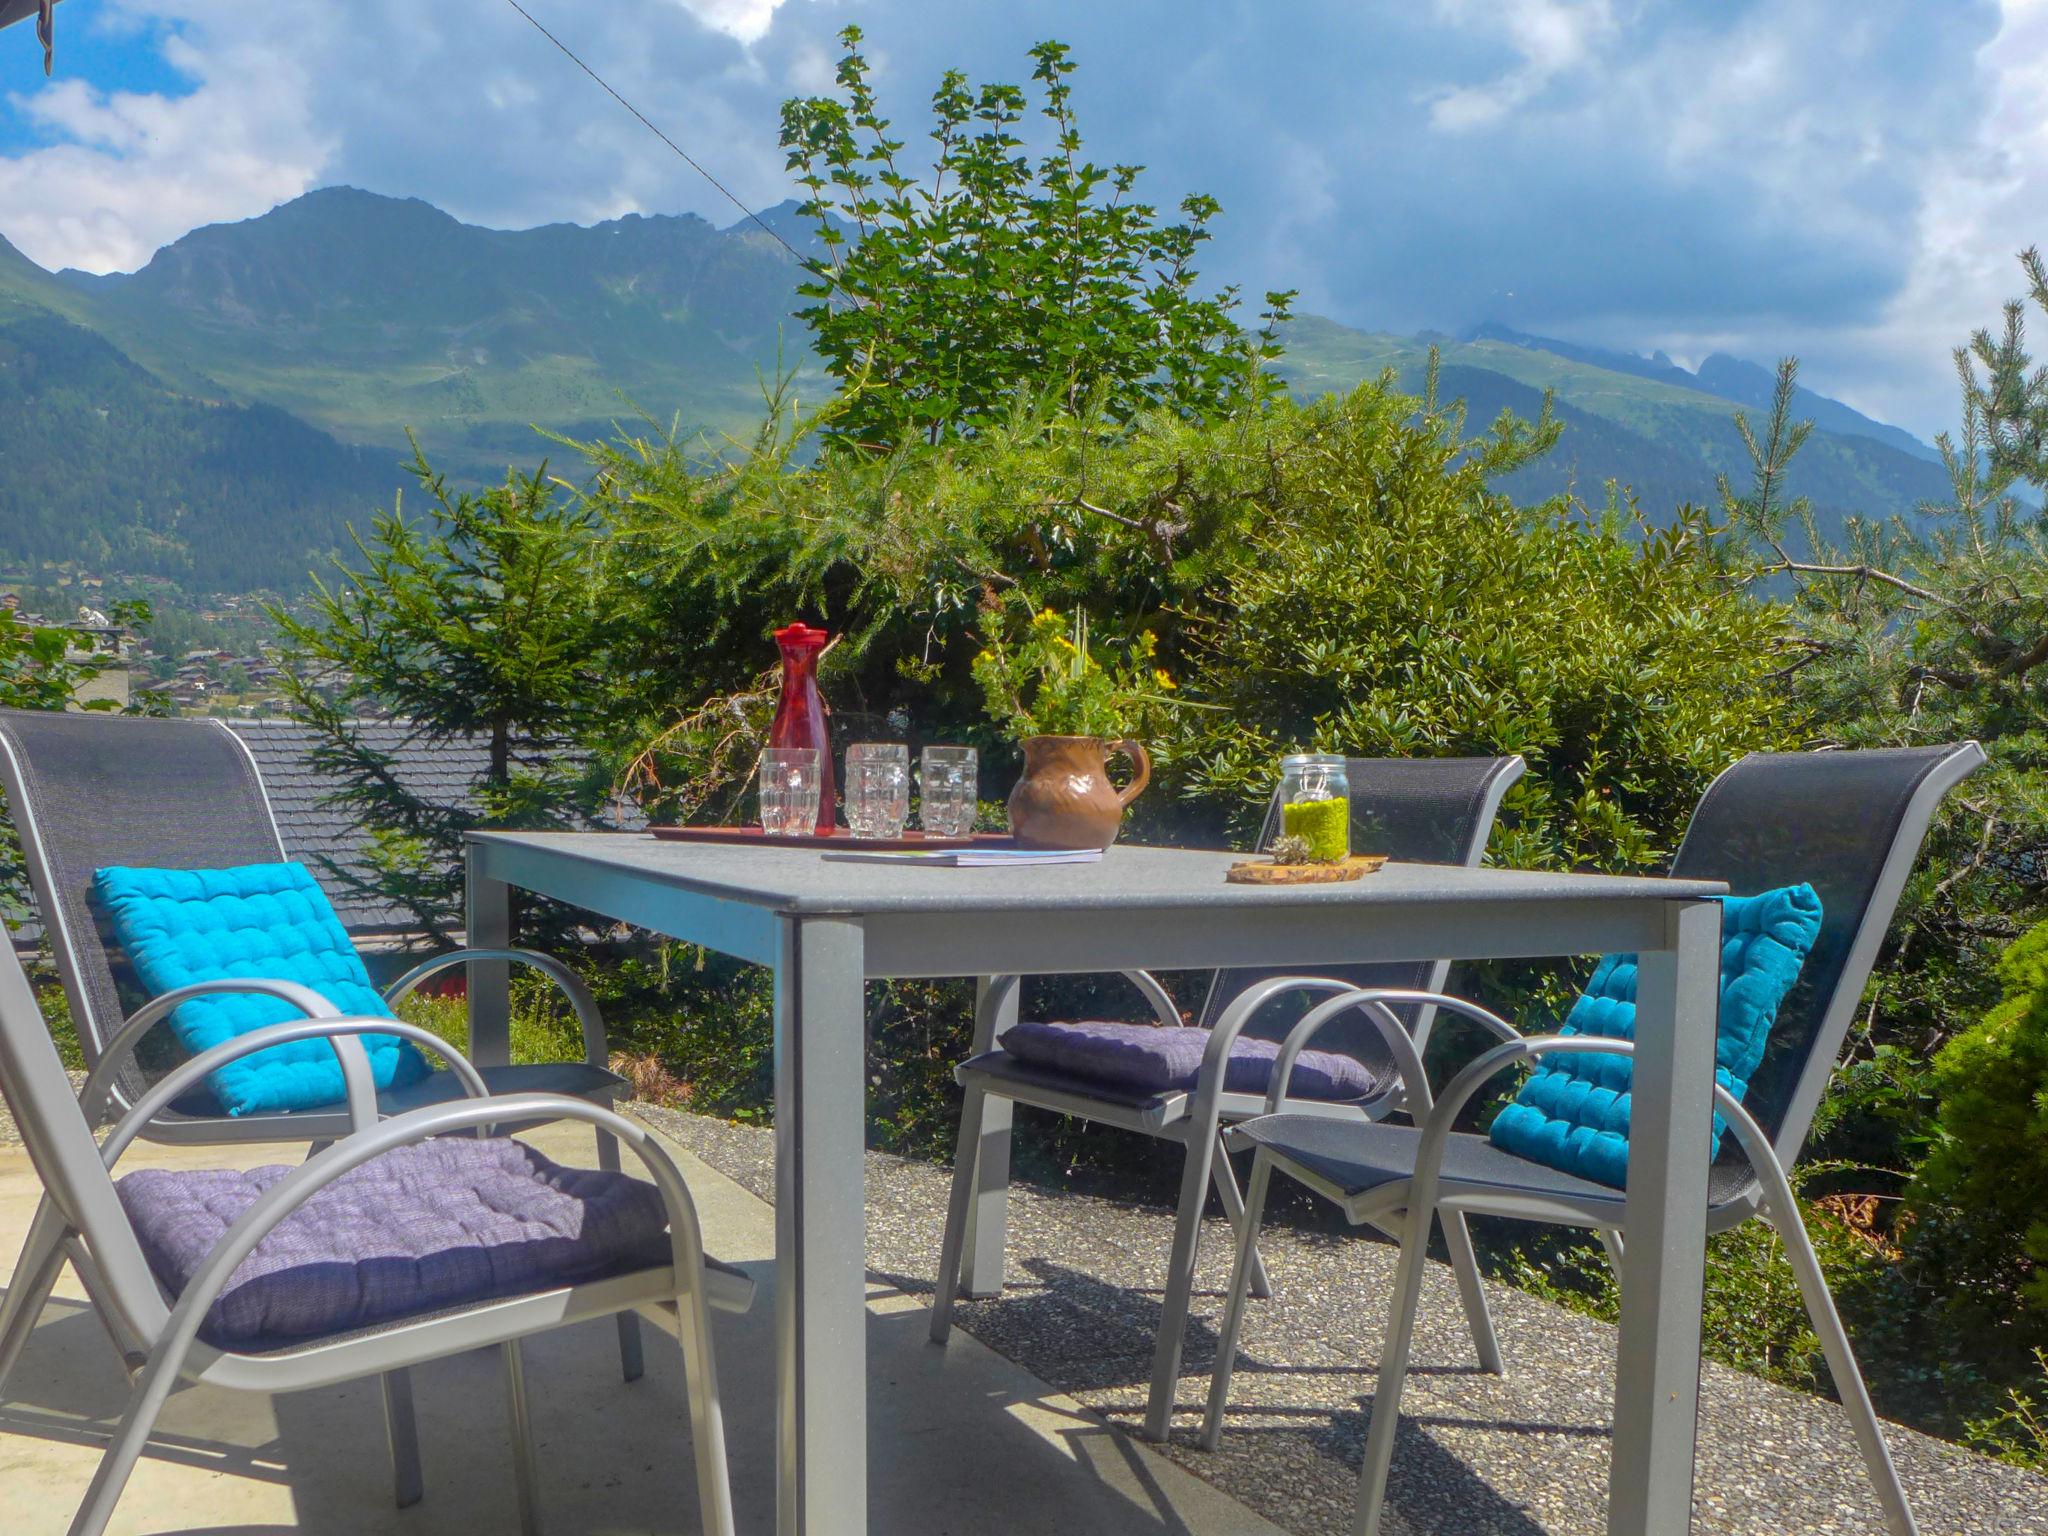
(1657, 1370)
(487, 924)
(821, 1444)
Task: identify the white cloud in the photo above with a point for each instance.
(461, 103)
(132, 170)
(1552, 37)
(1847, 179)
(744, 21)
(1984, 201)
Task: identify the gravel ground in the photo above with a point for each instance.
(1477, 1455)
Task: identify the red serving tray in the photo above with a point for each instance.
(841, 838)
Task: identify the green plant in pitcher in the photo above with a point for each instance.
(1051, 680)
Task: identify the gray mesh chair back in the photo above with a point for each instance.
(90, 790)
(1422, 810)
(1850, 824)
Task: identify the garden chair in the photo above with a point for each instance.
(1850, 824)
(86, 791)
(289, 1292)
(1427, 810)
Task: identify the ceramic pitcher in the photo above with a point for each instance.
(1065, 799)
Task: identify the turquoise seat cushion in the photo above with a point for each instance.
(180, 926)
(1573, 1112)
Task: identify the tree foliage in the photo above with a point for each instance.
(1981, 1184)
(942, 303)
(485, 622)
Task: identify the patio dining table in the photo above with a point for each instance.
(826, 926)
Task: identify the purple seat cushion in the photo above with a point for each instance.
(1161, 1060)
(422, 1228)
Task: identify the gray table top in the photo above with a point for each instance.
(1127, 878)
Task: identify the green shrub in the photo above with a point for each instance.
(1978, 1194)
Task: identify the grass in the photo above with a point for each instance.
(543, 1027)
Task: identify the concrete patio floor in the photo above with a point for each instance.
(964, 1442)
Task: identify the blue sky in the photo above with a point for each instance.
(1843, 179)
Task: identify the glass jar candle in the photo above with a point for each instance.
(1315, 805)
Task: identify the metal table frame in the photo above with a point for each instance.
(825, 927)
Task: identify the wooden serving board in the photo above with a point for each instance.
(1266, 872)
(841, 838)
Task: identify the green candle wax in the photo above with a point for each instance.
(1325, 825)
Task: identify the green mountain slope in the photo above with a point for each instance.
(266, 373)
(101, 463)
(370, 315)
(1664, 439)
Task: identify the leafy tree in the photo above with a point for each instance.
(1989, 1163)
(1388, 604)
(486, 623)
(1909, 633)
(2011, 396)
(1915, 633)
(943, 304)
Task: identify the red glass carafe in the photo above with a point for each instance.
(801, 719)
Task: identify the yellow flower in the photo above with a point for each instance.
(1166, 683)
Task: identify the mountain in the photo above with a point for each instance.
(222, 413)
(1659, 430)
(1730, 378)
(101, 463)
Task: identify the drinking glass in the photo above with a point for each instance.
(789, 790)
(877, 788)
(946, 789)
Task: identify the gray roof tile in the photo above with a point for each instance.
(441, 772)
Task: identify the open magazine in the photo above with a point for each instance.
(965, 858)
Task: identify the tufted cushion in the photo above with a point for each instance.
(1573, 1112)
(423, 1227)
(1160, 1060)
(180, 926)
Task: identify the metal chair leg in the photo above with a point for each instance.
(1465, 1264)
(1225, 1178)
(35, 1275)
(1834, 1343)
(707, 1418)
(632, 1354)
(1386, 1395)
(402, 1430)
(983, 1243)
(1233, 1311)
(1611, 1240)
(1180, 1285)
(152, 1388)
(959, 1209)
(525, 1471)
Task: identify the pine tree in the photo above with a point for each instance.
(486, 623)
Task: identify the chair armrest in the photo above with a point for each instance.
(1216, 1056)
(596, 1049)
(686, 1237)
(1436, 1130)
(1436, 1127)
(339, 1032)
(1405, 1047)
(99, 1084)
(1162, 1003)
